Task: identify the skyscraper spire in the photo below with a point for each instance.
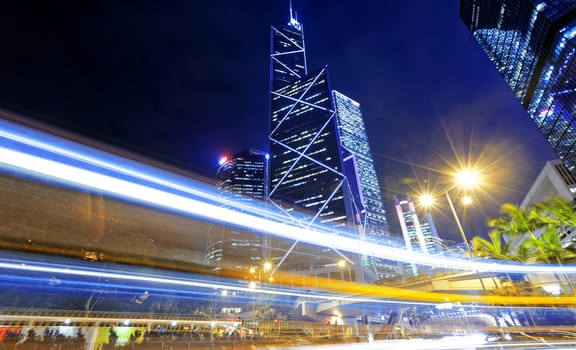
(294, 19)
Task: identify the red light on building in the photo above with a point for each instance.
(223, 160)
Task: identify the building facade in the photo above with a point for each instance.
(419, 235)
(244, 175)
(532, 43)
(242, 179)
(354, 139)
(554, 180)
(318, 158)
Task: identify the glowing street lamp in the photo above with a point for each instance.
(426, 200)
(465, 179)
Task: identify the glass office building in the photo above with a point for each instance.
(306, 166)
(320, 158)
(287, 54)
(532, 43)
(242, 178)
(244, 175)
(418, 235)
(353, 139)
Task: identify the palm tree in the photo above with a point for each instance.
(547, 246)
(492, 248)
(558, 211)
(559, 216)
(535, 232)
(516, 222)
(495, 248)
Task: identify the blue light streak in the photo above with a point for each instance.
(125, 279)
(69, 163)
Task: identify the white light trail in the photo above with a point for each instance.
(144, 193)
(105, 161)
(124, 276)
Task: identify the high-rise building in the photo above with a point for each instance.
(320, 159)
(353, 139)
(554, 180)
(244, 175)
(418, 235)
(532, 43)
(242, 178)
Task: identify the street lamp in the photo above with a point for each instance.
(427, 200)
(466, 200)
(465, 179)
(462, 233)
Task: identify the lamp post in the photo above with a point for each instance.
(467, 201)
(465, 179)
(426, 200)
(462, 233)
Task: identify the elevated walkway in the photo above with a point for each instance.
(462, 283)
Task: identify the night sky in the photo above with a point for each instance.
(185, 81)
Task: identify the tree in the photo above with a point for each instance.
(493, 248)
(559, 216)
(531, 235)
(516, 222)
(558, 212)
(497, 249)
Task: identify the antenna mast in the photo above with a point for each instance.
(293, 20)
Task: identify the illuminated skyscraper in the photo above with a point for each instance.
(306, 164)
(244, 175)
(319, 148)
(353, 139)
(533, 45)
(417, 235)
(242, 178)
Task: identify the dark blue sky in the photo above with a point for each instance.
(185, 81)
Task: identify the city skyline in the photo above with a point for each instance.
(160, 99)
